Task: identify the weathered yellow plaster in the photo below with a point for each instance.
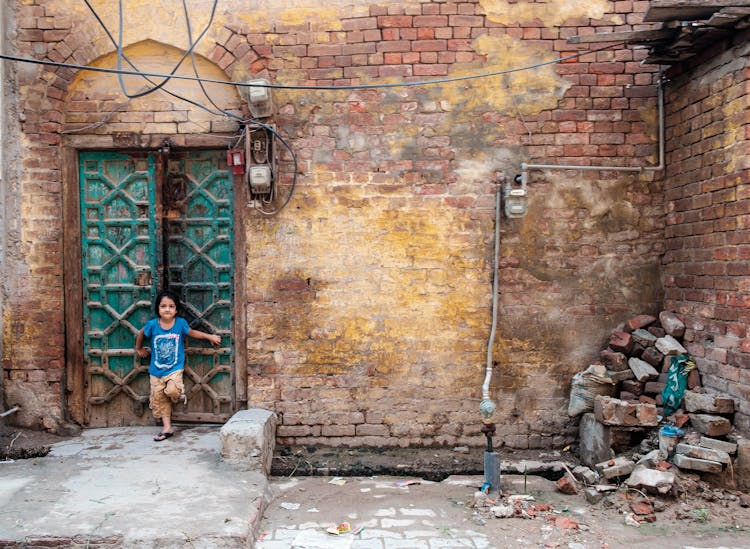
(551, 13)
(151, 56)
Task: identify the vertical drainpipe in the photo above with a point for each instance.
(487, 406)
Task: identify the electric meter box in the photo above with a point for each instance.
(260, 179)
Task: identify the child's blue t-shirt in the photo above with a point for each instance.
(167, 346)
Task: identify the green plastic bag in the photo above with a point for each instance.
(679, 368)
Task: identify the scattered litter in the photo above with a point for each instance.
(630, 520)
(520, 497)
(339, 528)
(403, 483)
(290, 506)
(338, 481)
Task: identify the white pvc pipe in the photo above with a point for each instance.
(11, 411)
(495, 283)
(661, 145)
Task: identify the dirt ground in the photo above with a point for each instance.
(18, 443)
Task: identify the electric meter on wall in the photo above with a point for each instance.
(259, 178)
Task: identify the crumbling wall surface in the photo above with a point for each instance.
(369, 296)
(708, 222)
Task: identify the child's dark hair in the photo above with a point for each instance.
(165, 293)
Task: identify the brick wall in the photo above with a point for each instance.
(708, 226)
(369, 297)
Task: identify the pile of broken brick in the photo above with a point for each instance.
(698, 437)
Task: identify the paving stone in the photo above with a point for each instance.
(690, 450)
(712, 426)
(670, 346)
(707, 402)
(671, 324)
(724, 446)
(695, 464)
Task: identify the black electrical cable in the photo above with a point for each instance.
(171, 75)
(195, 66)
(142, 74)
(299, 87)
(278, 136)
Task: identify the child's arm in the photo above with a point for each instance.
(197, 334)
(139, 348)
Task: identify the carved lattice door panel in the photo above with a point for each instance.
(140, 229)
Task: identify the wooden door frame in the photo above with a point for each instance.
(76, 388)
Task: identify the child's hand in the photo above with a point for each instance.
(214, 339)
(143, 352)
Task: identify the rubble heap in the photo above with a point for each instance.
(621, 401)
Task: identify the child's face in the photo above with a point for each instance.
(167, 308)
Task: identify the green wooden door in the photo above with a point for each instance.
(143, 230)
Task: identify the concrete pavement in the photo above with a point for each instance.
(117, 487)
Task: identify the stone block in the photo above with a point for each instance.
(712, 426)
(595, 441)
(633, 386)
(699, 452)
(613, 360)
(584, 474)
(653, 356)
(742, 464)
(654, 387)
(621, 342)
(642, 370)
(248, 439)
(645, 338)
(706, 402)
(618, 467)
(715, 444)
(670, 346)
(651, 480)
(658, 331)
(695, 464)
(694, 379)
(671, 324)
(613, 411)
(640, 321)
(620, 376)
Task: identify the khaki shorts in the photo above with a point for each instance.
(164, 392)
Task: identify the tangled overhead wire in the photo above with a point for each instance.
(263, 202)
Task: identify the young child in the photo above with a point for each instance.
(167, 333)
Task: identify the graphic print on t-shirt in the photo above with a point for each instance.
(166, 349)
